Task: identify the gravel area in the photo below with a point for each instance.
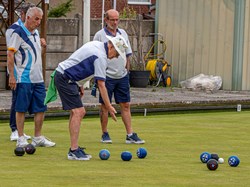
(158, 98)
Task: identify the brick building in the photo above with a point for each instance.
(96, 7)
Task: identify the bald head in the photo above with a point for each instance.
(112, 19)
(111, 12)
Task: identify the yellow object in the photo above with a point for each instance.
(164, 68)
(151, 64)
(168, 81)
(158, 67)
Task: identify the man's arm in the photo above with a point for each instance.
(10, 64)
(105, 98)
(43, 45)
(128, 63)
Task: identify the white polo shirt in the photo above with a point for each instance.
(89, 60)
(116, 66)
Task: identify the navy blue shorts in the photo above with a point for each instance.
(30, 97)
(120, 88)
(68, 91)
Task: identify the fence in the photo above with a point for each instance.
(64, 36)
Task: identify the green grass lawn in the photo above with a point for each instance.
(174, 143)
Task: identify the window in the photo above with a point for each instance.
(139, 2)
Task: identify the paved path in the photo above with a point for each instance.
(156, 99)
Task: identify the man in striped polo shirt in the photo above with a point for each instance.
(24, 50)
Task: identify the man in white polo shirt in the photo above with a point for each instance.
(117, 80)
(89, 60)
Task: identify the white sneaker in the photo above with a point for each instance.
(22, 142)
(27, 136)
(14, 136)
(42, 141)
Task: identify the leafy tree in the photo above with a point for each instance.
(61, 10)
(128, 13)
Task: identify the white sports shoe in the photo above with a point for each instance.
(14, 136)
(42, 141)
(27, 136)
(22, 142)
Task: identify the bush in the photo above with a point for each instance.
(128, 13)
(61, 10)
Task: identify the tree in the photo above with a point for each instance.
(61, 10)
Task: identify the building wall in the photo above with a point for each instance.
(200, 38)
(246, 57)
(67, 37)
(96, 7)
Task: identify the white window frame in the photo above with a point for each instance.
(139, 2)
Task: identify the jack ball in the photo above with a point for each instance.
(221, 161)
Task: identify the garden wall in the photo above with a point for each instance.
(64, 36)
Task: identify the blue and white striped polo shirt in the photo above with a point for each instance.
(10, 30)
(28, 60)
(8, 34)
(89, 60)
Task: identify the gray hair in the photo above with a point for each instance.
(32, 10)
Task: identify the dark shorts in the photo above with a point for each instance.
(68, 91)
(119, 87)
(30, 97)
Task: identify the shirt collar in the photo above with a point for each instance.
(26, 30)
(109, 33)
(20, 22)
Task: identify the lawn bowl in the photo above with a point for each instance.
(126, 156)
(212, 164)
(233, 161)
(215, 156)
(30, 149)
(104, 154)
(205, 156)
(19, 151)
(141, 152)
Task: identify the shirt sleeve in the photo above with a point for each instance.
(97, 37)
(14, 42)
(7, 35)
(100, 65)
